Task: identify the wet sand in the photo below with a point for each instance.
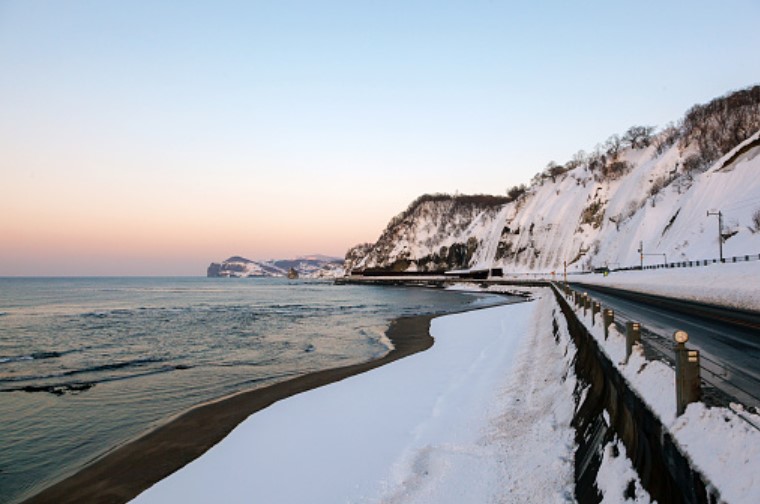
(122, 474)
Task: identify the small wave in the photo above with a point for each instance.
(289, 306)
(58, 389)
(377, 334)
(30, 357)
(77, 387)
(162, 369)
(93, 369)
(46, 355)
(20, 358)
(113, 366)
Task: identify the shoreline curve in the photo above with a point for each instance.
(122, 474)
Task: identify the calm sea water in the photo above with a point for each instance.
(89, 363)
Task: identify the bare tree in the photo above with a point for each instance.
(666, 138)
(516, 191)
(554, 170)
(723, 123)
(580, 157)
(613, 146)
(638, 137)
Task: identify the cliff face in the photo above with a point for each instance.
(600, 208)
(436, 233)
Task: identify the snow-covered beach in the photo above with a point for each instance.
(476, 418)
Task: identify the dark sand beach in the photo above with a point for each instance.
(123, 473)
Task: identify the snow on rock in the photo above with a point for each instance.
(473, 419)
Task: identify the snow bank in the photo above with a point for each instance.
(734, 285)
(473, 419)
(722, 444)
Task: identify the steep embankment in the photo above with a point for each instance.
(598, 209)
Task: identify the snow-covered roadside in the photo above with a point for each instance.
(483, 416)
(733, 285)
(720, 444)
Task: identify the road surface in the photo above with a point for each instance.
(728, 341)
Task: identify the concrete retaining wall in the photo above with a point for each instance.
(664, 471)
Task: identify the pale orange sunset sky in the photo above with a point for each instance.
(150, 138)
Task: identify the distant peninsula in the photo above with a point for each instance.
(311, 266)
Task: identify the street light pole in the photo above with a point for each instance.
(565, 272)
(720, 230)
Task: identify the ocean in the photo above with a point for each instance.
(87, 364)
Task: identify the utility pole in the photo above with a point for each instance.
(720, 230)
(565, 272)
(641, 254)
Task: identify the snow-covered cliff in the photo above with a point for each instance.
(598, 209)
(436, 233)
(593, 223)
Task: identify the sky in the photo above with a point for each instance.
(154, 137)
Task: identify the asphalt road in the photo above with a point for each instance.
(728, 340)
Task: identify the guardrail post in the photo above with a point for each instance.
(586, 302)
(632, 336)
(688, 387)
(595, 308)
(608, 318)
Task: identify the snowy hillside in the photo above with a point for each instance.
(642, 188)
(592, 223)
(316, 266)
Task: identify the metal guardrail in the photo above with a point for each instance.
(553, 275)
(712, 373)
(693, 264)
(681, 264)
